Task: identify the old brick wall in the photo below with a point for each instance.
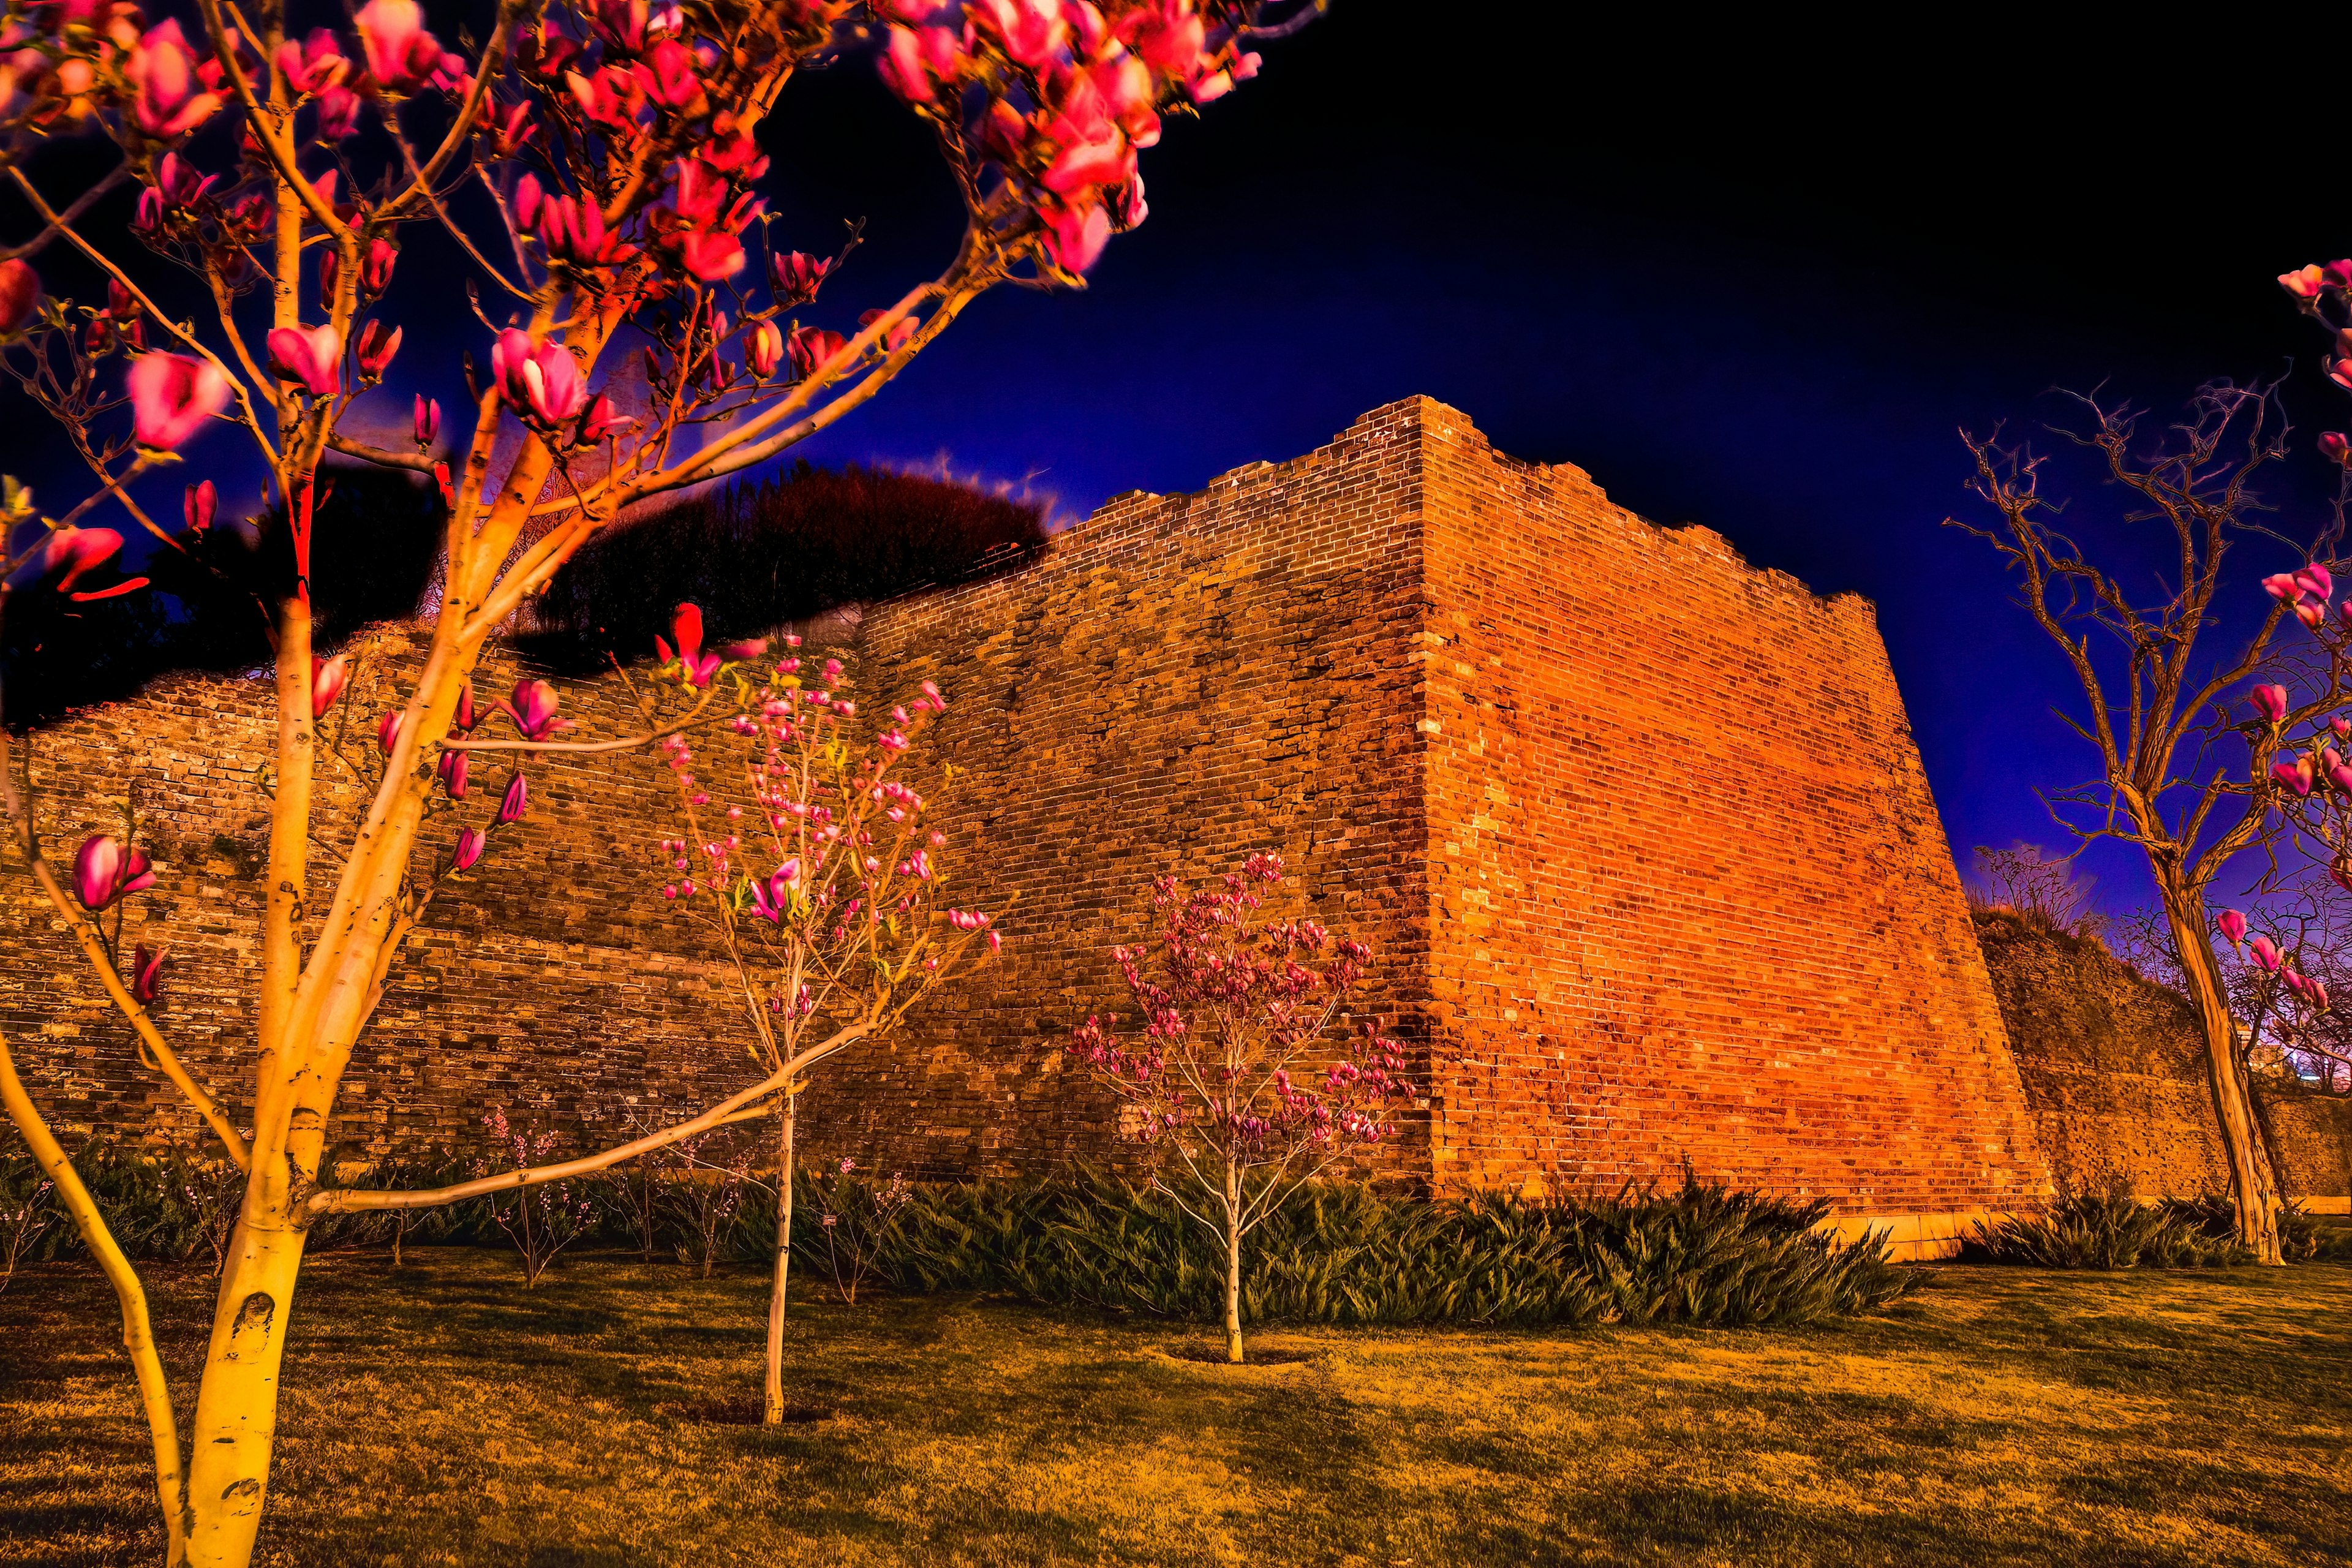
(1691, 896)
(1179, 681)
(2113, 1068)
(546, 981)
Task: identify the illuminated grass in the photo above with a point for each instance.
(2001, 1415)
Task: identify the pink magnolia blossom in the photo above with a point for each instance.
(2314, 579)
(667, 75)
(326, 677)
(20, 296)
(376, 263)
(315, 64)
(105, 871)
(2312, 613)
(387, 731)
(2304, 282)
(2233, 926)
(2265, 954)
(763, 348)
(2281, 585)
(147, 976)
(399, 52)
(339, 113)
(797, 277)
(2269, 701)
(376, 348)
(198, 505)
(168, 100)
(471, 841)
(602, 420)
(543, 382)
(171, 396)
(711, 255)
(428, 423)
(452, 772)
(771, 900)
(1075, 236)
(512, 805)
(312, 358)
(813, 349)
(2296, 775)
(533, 710)
(2334, 447)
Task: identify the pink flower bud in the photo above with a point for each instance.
(2269, 701)
(313, 359)
(2296, 775)
(147, 976)
(198, 505)
(326, 677)
(387, 731)
(2265, 953)
(427, 420)
(515, 802)
(171, 396)
(376, 348)
(467, 849)
(20, 296)
(452, 773)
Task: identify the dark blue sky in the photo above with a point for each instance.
(1754, 280)
(1750, 277)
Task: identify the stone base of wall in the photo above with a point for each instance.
(1912, 1237)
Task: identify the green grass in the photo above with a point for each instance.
(440, 1414)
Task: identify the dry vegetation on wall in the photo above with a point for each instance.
(757, 555)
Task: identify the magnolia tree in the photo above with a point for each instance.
(595, 170)
(804, 859)
(1229, 1077)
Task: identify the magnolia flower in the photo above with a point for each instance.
(602, 420)
(533, 710)
(1075, 236)
(198, 505)
(171, 396)
(812, 348)
(313, 358)
(2334, 447)
(2296, 775)
(376, 348)
(20, 296)
(2281, 585)
(452, 773)
(71, 553)
(686, 626)
(763, 348)
(387, 731)
(542, 383)
(315, 64)
(2265, 953)
(105, 871)
(2304, 282)
(167, 99)
(339, 113)
(2314, 579)
(147, 976)
(711, 255)
(471, 840)
(2312, 613)
(2233, 926)
(428, 419)
(771, 900)
(2269, 701)
(797, 276)
(516, 800)
(399, 52)
(376, 264)
(326, 677)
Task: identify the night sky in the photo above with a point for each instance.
(1752, 277)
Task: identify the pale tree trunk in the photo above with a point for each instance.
(1232, 1262)
(772, 1408)
(2252, 1187)
(237, 1402)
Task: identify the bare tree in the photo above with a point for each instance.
(2182, 777)
(2027, 879)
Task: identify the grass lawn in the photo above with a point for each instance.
(441, 1414)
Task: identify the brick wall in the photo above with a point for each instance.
(2114, 1072)
(1692, 896)
(1637, 831)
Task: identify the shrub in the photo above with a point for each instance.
(1344, 1253)
(2112, 1230)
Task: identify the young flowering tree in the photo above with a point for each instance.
(2185, 777)
(805, 857)
(596, 165)
(1241, 1003)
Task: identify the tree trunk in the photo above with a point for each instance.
(2251, 1188)
(237, 1403)
(1232, 1263)
(773, 1410)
